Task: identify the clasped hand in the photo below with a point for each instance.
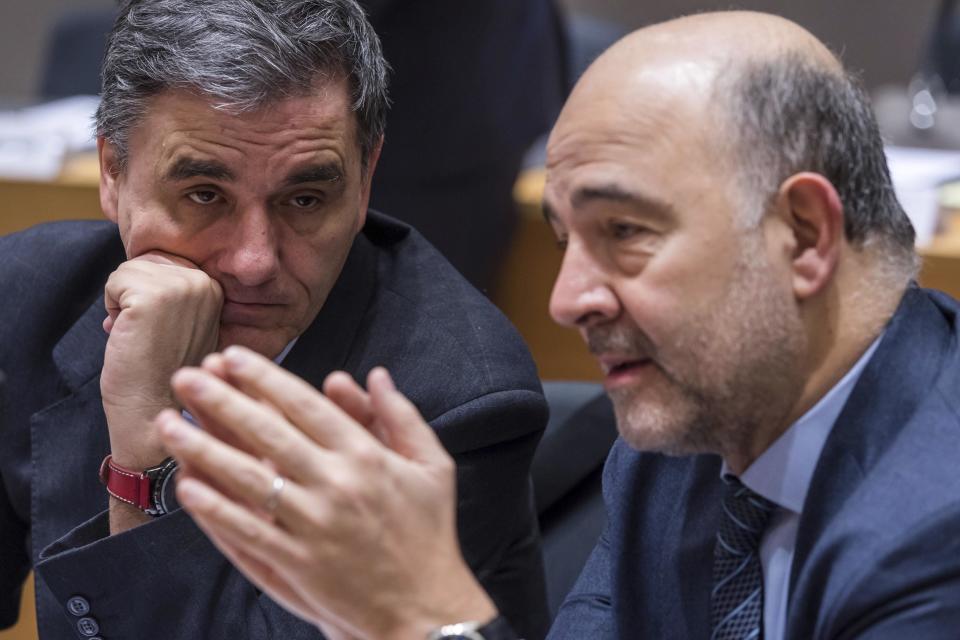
(360, 535)
(163, 312)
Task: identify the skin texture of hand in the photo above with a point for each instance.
(363, 538)
(163, 313)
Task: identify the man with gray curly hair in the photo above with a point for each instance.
(237, 143)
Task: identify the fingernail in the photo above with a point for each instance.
(192, 379)
(385, 380)
(212, 361)
(192, 494)
(236, 357)
(174, 431)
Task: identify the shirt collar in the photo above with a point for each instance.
(783, 472)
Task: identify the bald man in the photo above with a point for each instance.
(736, 260)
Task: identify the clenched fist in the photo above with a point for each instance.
(163, 313)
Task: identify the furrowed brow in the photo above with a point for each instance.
(187, 168)
(316, 173)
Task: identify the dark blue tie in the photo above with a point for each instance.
(736, 601)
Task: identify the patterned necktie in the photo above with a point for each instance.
(736, 601)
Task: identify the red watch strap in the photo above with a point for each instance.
(132, 487)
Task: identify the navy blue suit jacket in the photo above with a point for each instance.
(878, 547)
(397, 303)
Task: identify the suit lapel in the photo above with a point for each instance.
(67, 434)
(700, 519)
(901, 372)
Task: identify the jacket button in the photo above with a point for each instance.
(78, 606)
(88, 627)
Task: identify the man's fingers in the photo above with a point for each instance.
(403, 425)
(303, 405)
(349, 396)
(215, 365)
(225, 521)
(239, 476)
(262, 431)
(264, 575)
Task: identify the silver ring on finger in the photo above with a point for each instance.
(273, 498)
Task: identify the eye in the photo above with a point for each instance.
(304, 201)
(624, 230)
(203, 196)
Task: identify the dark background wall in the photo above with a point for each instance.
(880, 37)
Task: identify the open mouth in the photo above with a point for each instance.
(624, 366)
(619, 367)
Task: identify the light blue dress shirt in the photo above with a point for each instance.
(782, 475)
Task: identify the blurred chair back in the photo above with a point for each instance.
(567, 470)
(75, 51)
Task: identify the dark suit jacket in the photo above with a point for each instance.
(878, 548)
(397, 303)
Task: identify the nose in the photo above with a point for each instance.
(581, 294)
(251, 254)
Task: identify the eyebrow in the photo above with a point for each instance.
(612, 193)
(330, 172)
(619, 195)
(186, 168)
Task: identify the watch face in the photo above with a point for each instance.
(165, 495)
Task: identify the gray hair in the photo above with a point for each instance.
(792, 115)
(243, 55)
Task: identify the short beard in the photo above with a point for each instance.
(730, 372)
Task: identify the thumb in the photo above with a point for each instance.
(406, 430)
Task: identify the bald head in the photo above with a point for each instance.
(757, 94)
(698, 48)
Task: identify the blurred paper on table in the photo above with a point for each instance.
(918, 175)
(34, 141)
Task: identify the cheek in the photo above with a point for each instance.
(652, 309)
(155, 231)
(315, 264)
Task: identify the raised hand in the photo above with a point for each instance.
(349, 533)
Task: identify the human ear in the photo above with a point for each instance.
(815, 217)
(109, 176)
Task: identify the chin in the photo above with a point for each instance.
(661, 425)
(268, 343)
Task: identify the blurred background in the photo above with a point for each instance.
(884, 38)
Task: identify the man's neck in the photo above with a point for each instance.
(840, 325)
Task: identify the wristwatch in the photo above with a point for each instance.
(496, 629)
(151, 490)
